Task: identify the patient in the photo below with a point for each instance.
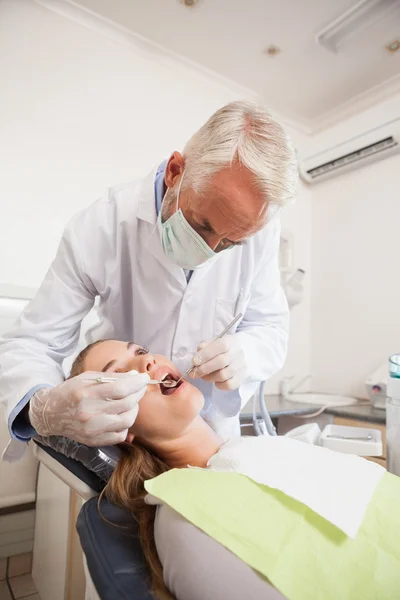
(168, 433)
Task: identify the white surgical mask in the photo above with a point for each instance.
(180, 242)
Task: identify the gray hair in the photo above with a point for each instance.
(244, 132)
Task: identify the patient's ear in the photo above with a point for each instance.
(129, 437)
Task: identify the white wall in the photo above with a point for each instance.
(79, 112)
(298, 220)
(84, 107)
(20, 478)
(355, 302)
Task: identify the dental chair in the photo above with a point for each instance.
(108, 535)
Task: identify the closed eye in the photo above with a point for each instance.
(240, 243)
(206, 225)
(223, 244)
(226, 244)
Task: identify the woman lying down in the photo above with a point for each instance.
(258, 517)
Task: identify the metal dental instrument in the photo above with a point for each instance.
(227, 328)
(169, 383)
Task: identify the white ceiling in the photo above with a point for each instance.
(305, 82)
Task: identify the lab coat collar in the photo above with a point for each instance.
(147, 202)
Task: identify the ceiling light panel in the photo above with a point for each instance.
(360, 16)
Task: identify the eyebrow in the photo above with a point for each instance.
(112, 362)
(108, 365)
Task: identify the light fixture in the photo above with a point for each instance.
(272, 50)
(393, 46)
(356, 18)
(189, 3)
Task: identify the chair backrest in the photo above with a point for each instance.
(113, 552)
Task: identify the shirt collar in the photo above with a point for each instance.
(159, 185)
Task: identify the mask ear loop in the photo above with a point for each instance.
(179, 190)
(177, 203)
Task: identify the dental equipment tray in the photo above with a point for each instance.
(352, 440)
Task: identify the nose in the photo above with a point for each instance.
(146, 363)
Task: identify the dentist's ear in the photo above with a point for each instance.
(174, 169)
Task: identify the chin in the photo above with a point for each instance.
(197, 398)
(193, 397)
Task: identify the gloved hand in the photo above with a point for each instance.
(222, 362)
(95, 414)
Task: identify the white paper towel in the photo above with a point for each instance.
(337, 486)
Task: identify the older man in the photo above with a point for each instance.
(172, 258)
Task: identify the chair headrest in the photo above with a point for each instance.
(101, 461)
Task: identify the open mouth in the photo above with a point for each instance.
(168, 391)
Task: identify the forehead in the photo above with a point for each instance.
(102, 353)
(233, 203)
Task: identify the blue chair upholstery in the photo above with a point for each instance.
(113, 552)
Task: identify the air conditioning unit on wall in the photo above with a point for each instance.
(370, 146)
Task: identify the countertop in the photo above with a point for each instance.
(278, 407)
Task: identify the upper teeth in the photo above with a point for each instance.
(164, 376)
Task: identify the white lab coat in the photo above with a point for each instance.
(113, 250)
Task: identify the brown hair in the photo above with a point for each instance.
(77, 366)
(126, 489)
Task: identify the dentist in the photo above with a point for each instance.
(171, 259)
